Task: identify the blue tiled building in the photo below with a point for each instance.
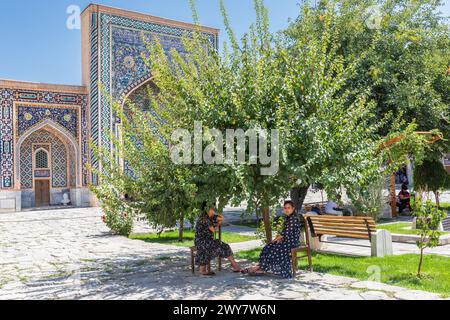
(45, 129)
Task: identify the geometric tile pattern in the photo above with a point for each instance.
(29, 116)
(122, 67)
(41, 160)
(59, 164)
(72, 168)
(33, 107)
(57, 152)
(94, 90)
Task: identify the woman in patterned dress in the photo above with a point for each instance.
(209, 248)
(276, 256)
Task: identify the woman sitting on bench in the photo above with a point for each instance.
(209, 248)
(276, 256)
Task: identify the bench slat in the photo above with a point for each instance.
(349, 221)
(341, 217)
(349, 227)
(319, 229)
(316, 226)
(338, 218)
(342, 233)
(345, 224)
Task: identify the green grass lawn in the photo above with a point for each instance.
(444, 205)
(395, 270)
(249, 224)
(401, 228)
(171, 237)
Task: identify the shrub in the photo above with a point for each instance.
(429, 218)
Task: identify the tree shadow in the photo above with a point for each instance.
(168, 277)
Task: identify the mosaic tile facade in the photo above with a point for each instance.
(21, 110)
(29, 116)
(94, 90)
(122, 67)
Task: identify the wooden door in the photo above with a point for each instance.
(42, 190)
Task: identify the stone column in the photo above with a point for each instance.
(82, 197)
(381, 243)
(316, 245)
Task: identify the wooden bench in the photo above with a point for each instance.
(305, 247)
(347, 227)
(217, 235)
(446, 224)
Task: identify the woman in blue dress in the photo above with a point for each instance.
(276, 256)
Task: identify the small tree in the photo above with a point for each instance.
(431, 176)
(429, 218)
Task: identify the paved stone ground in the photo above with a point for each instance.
(70, 254)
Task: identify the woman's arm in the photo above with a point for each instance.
(216, 222)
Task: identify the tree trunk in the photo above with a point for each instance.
(181, 228)
(420, 262)
(394, 212)
(298, 196)
(267, 225)
(257, 216)
(436, 195)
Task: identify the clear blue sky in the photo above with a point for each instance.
(36, 45)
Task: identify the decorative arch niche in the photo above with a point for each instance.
(139, 95)
(63, 155)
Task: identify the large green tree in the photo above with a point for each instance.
(296, 86)
(403, 49)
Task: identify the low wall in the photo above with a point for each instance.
(412, 238)
(10, 201)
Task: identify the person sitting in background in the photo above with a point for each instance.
(404, 199)
(315, 209)
(333, 208)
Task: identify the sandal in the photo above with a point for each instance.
(208, 274)
(256, 273)
(237, 271)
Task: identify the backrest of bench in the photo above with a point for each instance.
(349, 227)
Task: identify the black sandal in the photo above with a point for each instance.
(252, 273)
(208, 274)
(256, 274)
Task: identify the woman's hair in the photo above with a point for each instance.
(289, 202)
(404, 187)
(206, 206)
